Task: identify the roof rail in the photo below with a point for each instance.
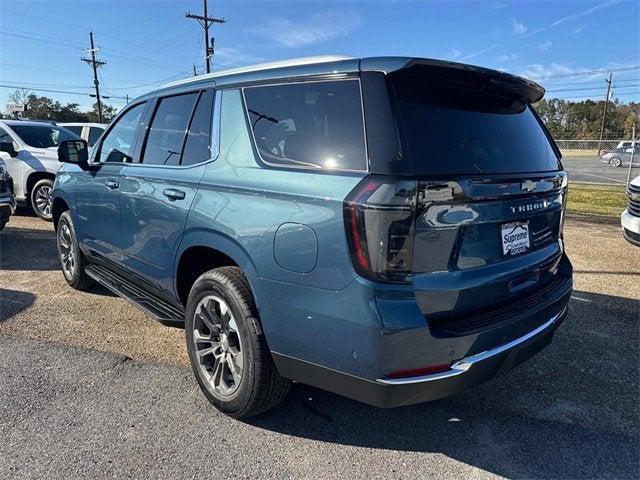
(292, 62)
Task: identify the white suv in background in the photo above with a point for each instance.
(630, 218)
(30, 151)
(89, 132)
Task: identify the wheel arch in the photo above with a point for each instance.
(58, 207)
(35, 177)
(201, 251)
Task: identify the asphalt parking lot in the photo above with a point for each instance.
(90, 386)
(591, 170)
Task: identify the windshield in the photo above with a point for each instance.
(455, 128)
(43, 136)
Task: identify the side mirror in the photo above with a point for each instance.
(7, 147)
(74, 151)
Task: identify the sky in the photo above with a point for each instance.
(567, 46)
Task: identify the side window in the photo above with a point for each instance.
(198, 146)
(77, 129)
(4, 136)
(309, 125)
(118, 144)
(168, 129)
(94, 135)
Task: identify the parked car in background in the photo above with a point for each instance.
(90, 132)
(389, 229)
(630, 218)
(7, 198)
(625, 144)
(29, 150)
(621, 157)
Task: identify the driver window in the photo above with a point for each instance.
(118, 144)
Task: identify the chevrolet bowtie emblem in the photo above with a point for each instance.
(528, 186)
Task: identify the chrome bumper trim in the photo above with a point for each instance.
(463, 365)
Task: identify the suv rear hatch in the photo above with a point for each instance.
(477, 229)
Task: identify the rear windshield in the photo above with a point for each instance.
(43, 136)
(456, 129)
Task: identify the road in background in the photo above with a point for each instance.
(91, 387)
(592, 170)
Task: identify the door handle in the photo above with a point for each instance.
(111, 184)
(173, 194)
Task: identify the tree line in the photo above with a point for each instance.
(582, 120)
(45, 108)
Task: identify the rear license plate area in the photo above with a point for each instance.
(515, 238)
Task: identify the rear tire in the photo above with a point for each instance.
(615, 162)
(41, 201)
(72, 259)
(227, 349)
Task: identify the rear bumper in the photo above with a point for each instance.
(463, 374)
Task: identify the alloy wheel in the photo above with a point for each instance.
(218, 347)
(43, 200)
(67, 256)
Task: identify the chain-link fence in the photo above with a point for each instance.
(611, 167)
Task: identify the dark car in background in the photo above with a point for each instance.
(7, 197)
(389, 229)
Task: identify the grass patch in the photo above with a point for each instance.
(607, 200)
(571, 152)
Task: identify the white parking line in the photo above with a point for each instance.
(573, 297)
(601, 176)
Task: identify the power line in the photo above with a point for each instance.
(54, 91)
(589, 97)
(588, 72)
(132, 87)
(598, 82)
(591, 88)
(77, 46)
(205, 20)
(63, 85)
(43, 69)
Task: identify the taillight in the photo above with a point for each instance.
(565, 190)
(379, 218)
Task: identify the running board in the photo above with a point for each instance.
(161, 310)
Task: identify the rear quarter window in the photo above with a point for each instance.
(312, 125)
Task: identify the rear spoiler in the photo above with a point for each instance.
(462, 75)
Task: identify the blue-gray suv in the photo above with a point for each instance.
(389, 229)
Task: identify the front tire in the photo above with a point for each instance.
(227, 349)
(72, 259)
(615, 162)
(41, 200)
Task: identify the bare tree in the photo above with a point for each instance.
(20, 96)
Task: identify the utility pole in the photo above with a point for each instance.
(194, 70)
(95, 64)
(126, 96)
(604, 115)
(204, 21)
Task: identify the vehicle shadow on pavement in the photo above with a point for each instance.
(570, 412)
(28, 249)
(13, 302)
